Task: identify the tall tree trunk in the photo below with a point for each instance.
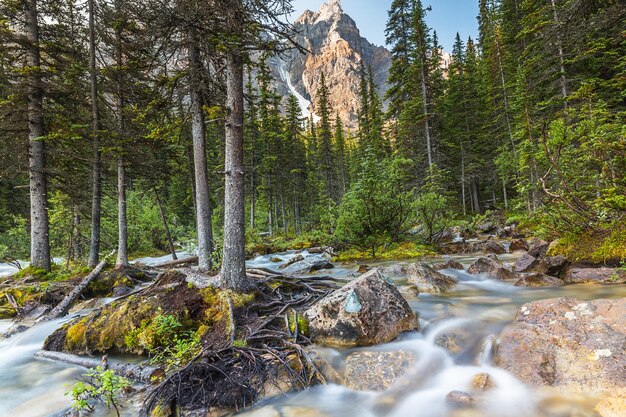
(505, 195)
(96, 174)
(463, 180)
(234, 260)
(39, 233)
(198, 132)
(475, 197)
(252, 197)
(561, 54)
(165, 225)
(427, 131)
(76, 238)
(122, 241)
(122, 219)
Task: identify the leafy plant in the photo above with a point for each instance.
(98, 385)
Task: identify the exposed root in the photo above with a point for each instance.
(264, 351)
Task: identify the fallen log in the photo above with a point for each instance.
(178, 262)
(141, 373)
(63, 307)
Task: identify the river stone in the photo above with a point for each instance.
(538, 248)
(493, 247)
(427, 280)
(602, 275)
(307, 265)
(568, 343)
(449, 264)
(376, 371)
(491, 266)
(460, 398)
(383, 315)
(553, 265)
(483, 382)
(517, 245)
(525, 263)
(538, 280)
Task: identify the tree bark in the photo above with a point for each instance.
(136, 372)
(39, 227)
(233, 272)
(122, 241)
(96, 173)
(204, 226)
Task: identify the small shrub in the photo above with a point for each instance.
(98, 385)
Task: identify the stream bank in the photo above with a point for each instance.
(443, 359)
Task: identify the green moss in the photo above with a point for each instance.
(240, 343)
(403, 250)
(597, 246)
(75, 335)
(303, 324)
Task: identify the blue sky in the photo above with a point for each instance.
(447, 17)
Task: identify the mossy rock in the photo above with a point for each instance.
(129, 325)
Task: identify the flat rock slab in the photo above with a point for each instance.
(568, 343)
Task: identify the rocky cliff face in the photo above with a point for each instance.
(338, 50)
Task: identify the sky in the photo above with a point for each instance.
(447, 17)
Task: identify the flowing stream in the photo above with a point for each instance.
(474, 309)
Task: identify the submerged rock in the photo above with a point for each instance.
(376, 371)
(491, 266)
(292, 261)
(568, 343)
(383, 314)
(483, 382)
(601, 275)
(427, 279)
(538, 280)
(307, 265)
(460, 398)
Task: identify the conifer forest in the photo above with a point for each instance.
(215, 208)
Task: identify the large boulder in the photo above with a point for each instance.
(376, 371)
(367, 311)
(569, 344)
(427, 279)
(576, 275)
(536, 279)
(307, 265)
(491, 266)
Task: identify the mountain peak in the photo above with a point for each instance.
(330, 9)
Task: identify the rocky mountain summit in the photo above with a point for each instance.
(337, 50)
